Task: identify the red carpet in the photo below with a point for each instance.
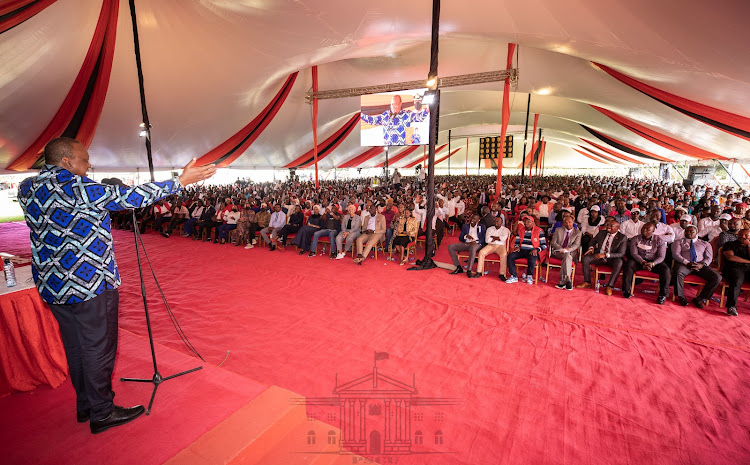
(545, 376)
(40, 427)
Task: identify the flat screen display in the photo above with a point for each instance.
(394, 118)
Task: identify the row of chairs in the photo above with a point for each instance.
(603, 271)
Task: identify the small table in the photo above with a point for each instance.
(31, 351)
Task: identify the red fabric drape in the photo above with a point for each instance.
(315, 122)
(424, 157)
(447, 156)
(613, 153)
(10, 6)
(660, 139)
(229, 150)
(609, 158)
(598, 160)
(728, 122)
(743, 169)
(100, 50)
(363, 157)
(639, 151)
(505, 116)
(399, 156)
(30, 344)
(327, 146)
(531, 160)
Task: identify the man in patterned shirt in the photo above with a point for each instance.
(395, 121)
(74, 267)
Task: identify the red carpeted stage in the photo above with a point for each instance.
(495, 373)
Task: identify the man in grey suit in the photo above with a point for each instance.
(608, 247)
(350, 230)
(564, 245)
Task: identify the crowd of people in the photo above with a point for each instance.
(640, 228)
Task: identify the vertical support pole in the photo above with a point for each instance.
(525, 136)
(467, 156)
(505, 119)
(449, 152)
(315, 121)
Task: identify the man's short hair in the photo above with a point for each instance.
(57, 149)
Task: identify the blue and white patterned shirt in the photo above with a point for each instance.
(73, 257)
(394, 126)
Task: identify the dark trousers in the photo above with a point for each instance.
(286, 231)
(208, 226)
(158, 222)
(614, 263)
(457, 247)
(458, 220)
(176, 221)
(712, 277)
(665, 274)
(735, 277)
(523, 253)
(89, 335)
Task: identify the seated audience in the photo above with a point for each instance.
(471, 239)
(736, 267)
(373, 231)
(529, 242)
(405, 230)
(350, 230)
(275, 224)
(647, 251)
(607, 248)
(496, 239)
(564, 245)
(694, 256)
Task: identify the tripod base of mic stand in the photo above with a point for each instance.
(156, 381)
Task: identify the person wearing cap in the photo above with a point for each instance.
(693, 256)
(679, 228)
(590, 226)
(733, 228)
(530, 242)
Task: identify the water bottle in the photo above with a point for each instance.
(596, 287)
(10, 273)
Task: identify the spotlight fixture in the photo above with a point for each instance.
(143, 133)
(432, 82)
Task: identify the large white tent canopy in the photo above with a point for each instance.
(211, 66)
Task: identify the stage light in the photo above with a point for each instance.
(432, 82)
(143, 125)
(143, 133)
(544, 91)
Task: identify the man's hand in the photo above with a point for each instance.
(191, 173)
(534, 252)
(590, 251)
(369, 231)
(647, 266)
(345, 234)
(600, 256)
(469, 238)
(516, 248)
(696, 266)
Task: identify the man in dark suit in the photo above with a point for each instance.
(471, 240)
(608, 247)
(488, 219)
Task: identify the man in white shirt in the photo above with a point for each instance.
(179, 216)
(162, 214)
(278, 220)
(496, 239)
(662, 230)
(633, 226)
(709, 226)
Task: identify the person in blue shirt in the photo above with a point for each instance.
(74, 268)
(395, 120)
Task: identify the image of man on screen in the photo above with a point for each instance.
(395, 121)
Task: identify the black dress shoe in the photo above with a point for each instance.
(627, 295)
(731, 311)
(477, 275)
(683, 301)
(502, 277)
(83, 417)
(119, 416)
(458, 270)
(469, 274)
(700, 303)
(272, 247)
(661, 299)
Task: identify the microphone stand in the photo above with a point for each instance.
(156, 379)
